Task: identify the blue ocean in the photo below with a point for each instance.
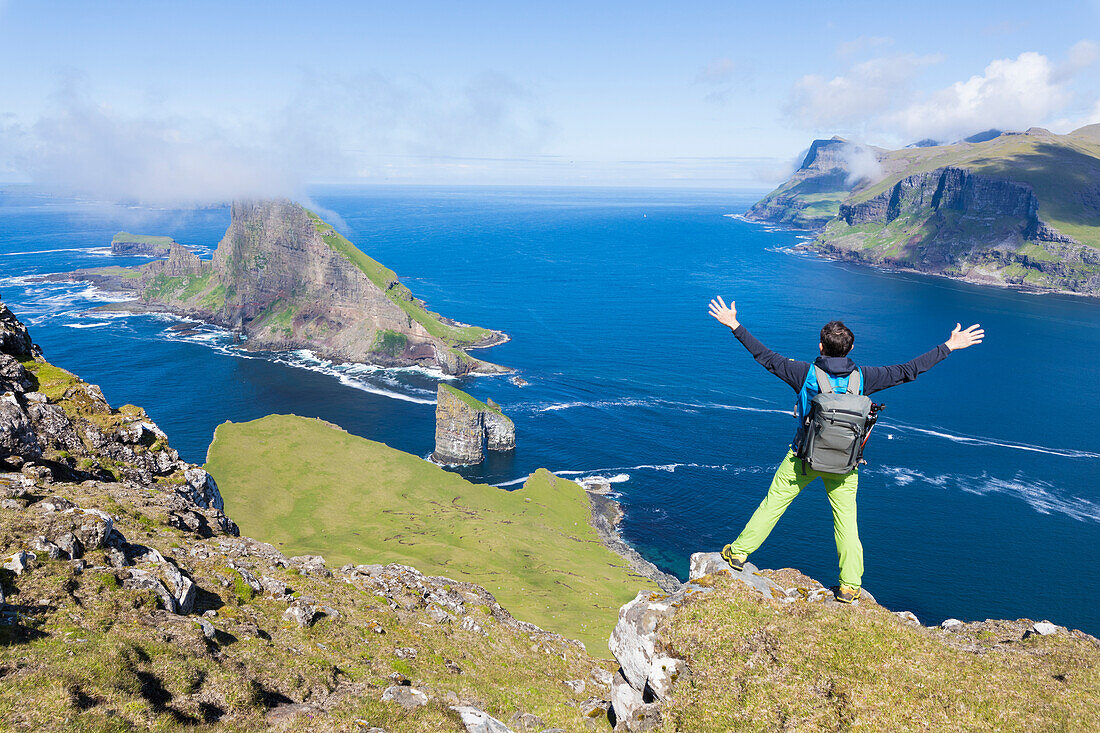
(980, 498)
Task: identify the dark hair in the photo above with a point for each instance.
(836, 339)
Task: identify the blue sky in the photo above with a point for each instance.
(173, 100)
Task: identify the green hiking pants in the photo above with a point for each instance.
(788, 482)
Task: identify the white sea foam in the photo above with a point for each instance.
(1042, 496)
(87, 250)
(86, 325)
(649, 402)
(994, 443)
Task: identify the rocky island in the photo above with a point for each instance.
(1008, 208)
(283, 278)
(143, 245)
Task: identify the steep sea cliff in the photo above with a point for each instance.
(284, 279)
(1019, 209)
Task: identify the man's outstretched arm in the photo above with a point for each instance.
(790, 371)
(880, 378)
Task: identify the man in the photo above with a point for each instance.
(792, 475)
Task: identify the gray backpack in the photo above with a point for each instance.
(834, 431)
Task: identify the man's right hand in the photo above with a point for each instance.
(726, 315)
(961, 339)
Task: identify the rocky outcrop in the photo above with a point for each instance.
(141, 245)
(648, 668)
(181, 263)
(285, 279)
(54, 426)
(465, 426)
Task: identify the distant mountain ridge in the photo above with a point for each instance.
(1010, 208)
(285, 279)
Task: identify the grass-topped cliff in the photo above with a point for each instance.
(1019, 208)
(310, 488)
(150, 245)
(759, 664)
(286, 279)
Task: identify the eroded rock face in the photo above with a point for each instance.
(459, 431)
(464, 426)
(182, 261)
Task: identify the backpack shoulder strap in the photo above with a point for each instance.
(824, 385)
(855, 382)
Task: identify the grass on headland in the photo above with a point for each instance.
(153, 239)
(310, 488)
(469, 400)
(387, 282)
(758, 665)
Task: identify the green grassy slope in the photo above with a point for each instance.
(310, 488)
(1061, 169)
(386, 280)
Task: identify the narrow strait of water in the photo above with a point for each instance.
(980, 499)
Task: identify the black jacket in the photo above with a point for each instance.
(794, 372)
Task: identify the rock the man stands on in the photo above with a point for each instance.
(793, 475)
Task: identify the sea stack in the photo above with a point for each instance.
(464, 426)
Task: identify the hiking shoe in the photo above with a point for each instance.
(737, 562)
(847, 594)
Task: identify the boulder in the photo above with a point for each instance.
(625, 699)
(636, 646)
(13, 376)
(17, 435)
(20, 562)
(908, 617)
(70, 544)
(478, 721)
(145, 580)
(202, 489)
(94, 529)
(594, 708)
(300, 613)
(43, 545)
(407, 697)
(183, 588)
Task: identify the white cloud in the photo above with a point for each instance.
(861, 162)
(1011, 94)
(1081, 56)
(867, 89)
(862, 44)
(876, 98)
(329, 129)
